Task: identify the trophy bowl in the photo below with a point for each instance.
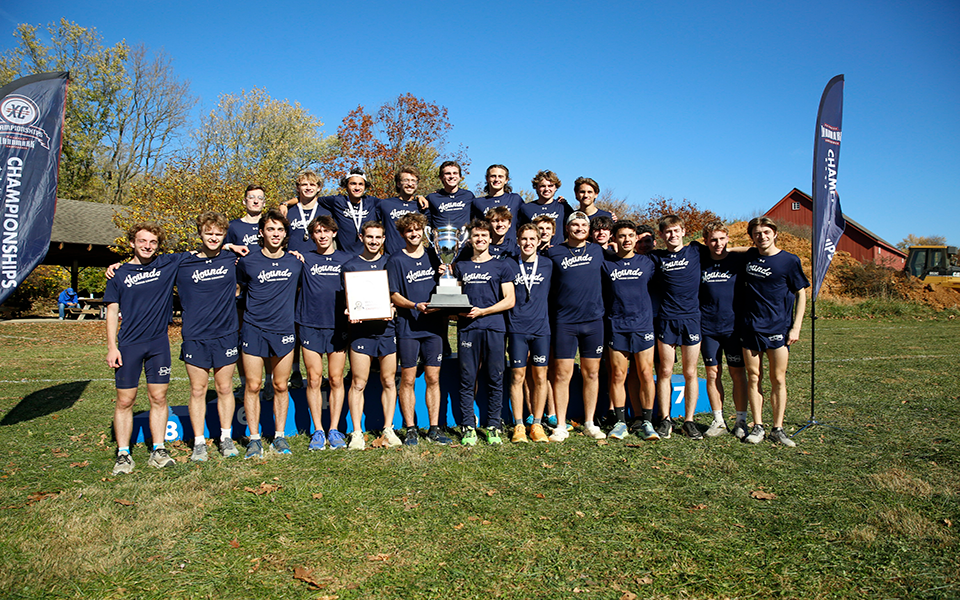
(447, 241)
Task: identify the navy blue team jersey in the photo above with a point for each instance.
(208, 288)
(348, 215)
(450, 209)
(576, 296)
(718, 282)
(416, 279)
(243, 234)
(388, 211)
(145, 295)
(482, 285)
(271, 286)
(510, 200)
(768, 286)
(678, 282)
(529, 315)
(320, 301)
(300, 218)
(559, 211)
(626, 293)
(600, 213)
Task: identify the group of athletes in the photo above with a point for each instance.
(545, 281)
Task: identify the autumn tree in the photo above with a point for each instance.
(693, 216)
(254, 133)
(181, 191)
(408, 130)
(96, 81)
(151, 114)
(921, 240)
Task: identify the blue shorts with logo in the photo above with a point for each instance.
(376, 347)
(211, 354)
(153, 358)
(678, 332)
(266, 344)
(409, 350)
(568, 337)
(713, 346)
(322, 341)
(631, 343)
(761, 342)
(525, 349)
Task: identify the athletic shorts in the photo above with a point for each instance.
(681, 332)
(729, 344)
(524, 349)
(153, 358)
(376, 347)
(211, 354)
(265, 344)
(410, 350)
(761, 342)
(322, 341)
(568, 337)
(631, 343)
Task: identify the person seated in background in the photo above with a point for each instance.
(67, 299)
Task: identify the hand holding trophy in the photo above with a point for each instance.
(447, 241)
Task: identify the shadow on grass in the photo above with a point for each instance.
(44, 402)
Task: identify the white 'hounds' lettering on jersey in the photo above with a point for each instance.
(537, 279)
(141, 278)
(297, 224)
(476, 277)
(274, 275)
(209, 274)
(398, 212)
(716, 276)
(251, 238)
(325, 270)
(445, 206)
(421, 275)
(351, 212)
(675, 265)
(762, 272)
(576, 261)
(618, 274)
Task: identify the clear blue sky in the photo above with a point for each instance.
(713, 102)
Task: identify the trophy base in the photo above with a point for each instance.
(450, 301)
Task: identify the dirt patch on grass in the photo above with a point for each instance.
(98, 530)
(899, 481)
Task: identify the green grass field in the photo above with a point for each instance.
(870, 510)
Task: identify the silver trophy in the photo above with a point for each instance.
(447, 241)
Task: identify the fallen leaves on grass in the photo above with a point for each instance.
(628, 596)
(234, 543)
(540, 496)
(645, 580)
(379, 557)
(60, 453)
(458, 526)
(696, 507)
(123, 502)
(318, 496)
(263, 488)
(579, 514)
(380, 442)
(80, 464)
(490, 492)
(306, 575)
(762, 495)
(546, 466)
(602, 442)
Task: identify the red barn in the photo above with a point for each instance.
(862, 244)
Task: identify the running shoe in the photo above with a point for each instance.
(468, 436)
(718, 427)
(594, 432)
(280, 446)
(436, 436)
(412, 438)
(391, 436)
(779, 436)
(691, 430)
(124, 464)
(619, 431)
(740, 430)
(356, 441)
(665, 428)
(559, 434)
(318, 440)
(336, 439)
(228, 449)
(648, 433)
(519, 434)
(160, 458)
(493, 436)
(199, 453)
(756, 435)
(254, 449)
(537, 434)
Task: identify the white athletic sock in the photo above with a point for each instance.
(225, 434)
(718, 416)
(199, 440)
(254, 436)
